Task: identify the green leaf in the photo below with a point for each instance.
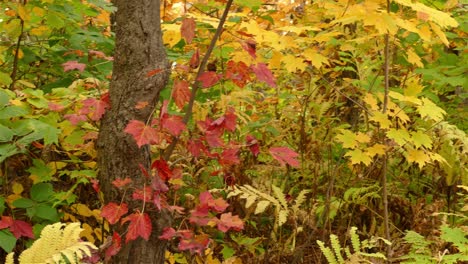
(430, 110)
(12, 111)
(40, 170)
(6, 134)
(400, 136)
(8, 150)
(455, 236)
(2, 205)
(23, 203)
(54, 21)
(7, 240)
(252, 4)
(47, 212)
(357, 156)
(419, 139)
(5, 79)
(227, 252)
(42, 192)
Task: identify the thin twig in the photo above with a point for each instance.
(196, 83)
(15, 60)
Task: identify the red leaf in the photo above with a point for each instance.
(251, 47)
(196, 244)
(196, 147)
(75, 119)
(238, 72)
(187, 30)
(230, 119)
(114, 247)
(142, 133)
(113, 212)
(164, 172)
(206, 199)
(6, 222)
(213, 137)
(229, 157)
(119, 183)
(55, 107)
(153, 72)
(141, 105)
(168, 233)
(181, 93)
(173, 124)
(96, 107)
(252, 142)
(208, 79)
(21, 228)
(158, 185)
(285, 155)
(73, 65)
(264, 74)
(227, 221)
(95, 185)
(195, 60)
(145, 194)
(140, 226)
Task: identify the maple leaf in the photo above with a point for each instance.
(96, 107)
(114, 247)
(195, 59)
(400, 136)
(144, 194)
(142, 133)
(285, 156)
(228, 221)
(164, 171)
(196, 244)
(181, 93)
(418, 156)
(158, 184)
(55, 107)
(229, 157)
(73, 65)
(357, 156)
(420, 138)
(213, 137)
(348, 138)
(429, 109)
(237, 72)
(252, 143)
(75, 119)
(382, 119)
(168, 233)
(196, 147)
(21, 228)
(112, 212)
(264, 74)
(140, 226)
(173, 124)
(251, 47)
(208, 79)
(119, 183)
(95, 184)
(187, 30)
(377, 149)
(6, 222)
(230, 119)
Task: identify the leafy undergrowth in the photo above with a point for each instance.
(289, 139)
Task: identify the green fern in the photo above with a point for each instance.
(335, 255)
(58, 243)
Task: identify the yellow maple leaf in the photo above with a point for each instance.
(441, 35)
(293, 63)
(413, 87)
(439, 17)
(381, 119)
(419, 139)
(315, 58)
(400, 136)
(357, 156)
(418, 156)
(430, 110)
(370, 100)
(413, 58)
(348, 139)
(377, 149)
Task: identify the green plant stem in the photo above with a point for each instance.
(196, 84)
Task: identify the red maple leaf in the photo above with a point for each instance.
(208, 79)
(285, 156)
(164, 171)
(75, 119)
(114, 247)
(140, 226)
(119, 182)
(196, 244)
(96, 107)
(181, 93)
(264, 74)
(142, 133)
(252, 142)
(95, 185)
(173, 124)
(196, 147)
(195, 60)
(168, 233)
(228, 221)
(229, 157)
(251, 47)
(6, 222)
(207, 200)
(238, 72)
(55, 107)
(18, 228)
(230, 119)
(213, 137)
(113, 212)
(187, 30)
(145, 194)
(73, 65)
(99, 54)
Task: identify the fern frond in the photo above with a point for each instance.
(335, 244)
(355, 241)
(300, 199)
(282, 216)
(261, 207)
(327, 253)
(58, 241)
(280, 196)
(9, 259)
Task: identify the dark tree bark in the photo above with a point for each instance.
(139, 49)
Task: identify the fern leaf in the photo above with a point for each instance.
(335, 244)
(9, 259)
(355, 241)
(300, 199)
(327, 253)
(250, 200)
(282, 217)
(262, 206)
(280, 196)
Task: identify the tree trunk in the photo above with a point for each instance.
(139, 49)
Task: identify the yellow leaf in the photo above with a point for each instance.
(377, 149)
(233, 260)
(430, 110)
(412, 87)
(419, 139)
(87, 233)
(439, 17)
(418, 156)
(362, 138)
(315, 58)
(400, 136)
(39, 12)
(357, 156)
(293, 63)
(371, 101)
(275, 61)
(23, 13)
(348, 139)
(40, 31)
(413, 58)
(381, 119)
(20, 53)
(17, 188)
(82, 209)
(439, 33)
